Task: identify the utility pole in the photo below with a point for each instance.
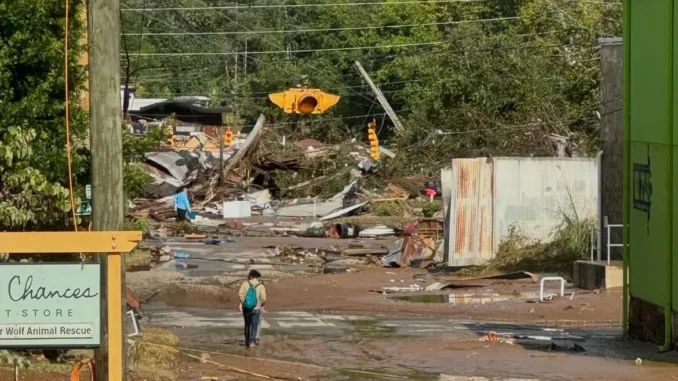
(224, 118)
(106, 146)
(381, 98)
(245, 60)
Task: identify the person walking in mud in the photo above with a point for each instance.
(252, 297)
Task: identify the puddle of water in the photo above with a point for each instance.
(462, 298)
(373, 329)
(185, 266)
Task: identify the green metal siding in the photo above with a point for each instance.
(651, 123)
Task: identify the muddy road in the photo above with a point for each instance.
(344, 326)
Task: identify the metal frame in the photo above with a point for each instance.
(111, 243)
(595, 238)
(553, 278)
(609, 244)
(135, 323)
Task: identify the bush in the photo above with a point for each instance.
(138, 224)
(432, 208)
(135, 179)
(517, 252)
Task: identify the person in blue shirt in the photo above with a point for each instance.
(181, 205)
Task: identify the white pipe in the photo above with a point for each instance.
(599, 163)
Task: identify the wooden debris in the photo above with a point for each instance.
(195, 236)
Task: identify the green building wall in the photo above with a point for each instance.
(650, 165)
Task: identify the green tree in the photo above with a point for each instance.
(496, 77)
(33, 170)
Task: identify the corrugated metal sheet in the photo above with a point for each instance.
(532, 193)
(470, 212)
(483, 198)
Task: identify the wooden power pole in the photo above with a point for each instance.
(106, 146)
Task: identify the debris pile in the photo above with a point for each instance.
(266, 175)
(298, 255)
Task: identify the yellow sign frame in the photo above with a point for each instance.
(114, 244)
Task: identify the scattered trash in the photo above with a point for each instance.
(234, 225)
(407, 249)
(639, 361)
(182, 254)
(411, 288)
(444, 286)
(345, 231)
(194, 236)
(344, 211)
(164, 258)
(585, 308)
(569, 347)
(491, 337)
(377, 231)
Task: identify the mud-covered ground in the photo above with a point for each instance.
(344, 327)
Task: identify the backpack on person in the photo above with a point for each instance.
(250, 301)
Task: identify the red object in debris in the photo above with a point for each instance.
(410, 229)
(234, 225)
(492, 336)
(431, 192)
(132, 299)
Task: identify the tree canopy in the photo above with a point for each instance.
(471, 78)
(33, 169)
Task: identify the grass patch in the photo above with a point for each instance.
(517, 252)
(152, 362)
(388, 209)
(138, 257)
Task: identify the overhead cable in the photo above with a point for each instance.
(311, 5)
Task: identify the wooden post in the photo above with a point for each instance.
(107, 191)
(221, 156)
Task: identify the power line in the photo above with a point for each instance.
(354, 48)
(251, 32)
(246, 56)
(284, 51)
(316, 5)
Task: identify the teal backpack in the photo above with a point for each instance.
(251, 297)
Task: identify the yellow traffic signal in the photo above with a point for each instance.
(228, 137)
(304, 101)
(374, 140)
(170, 135)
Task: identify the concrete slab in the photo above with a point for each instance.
(598, 275)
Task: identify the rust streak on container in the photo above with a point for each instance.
(472, 214)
